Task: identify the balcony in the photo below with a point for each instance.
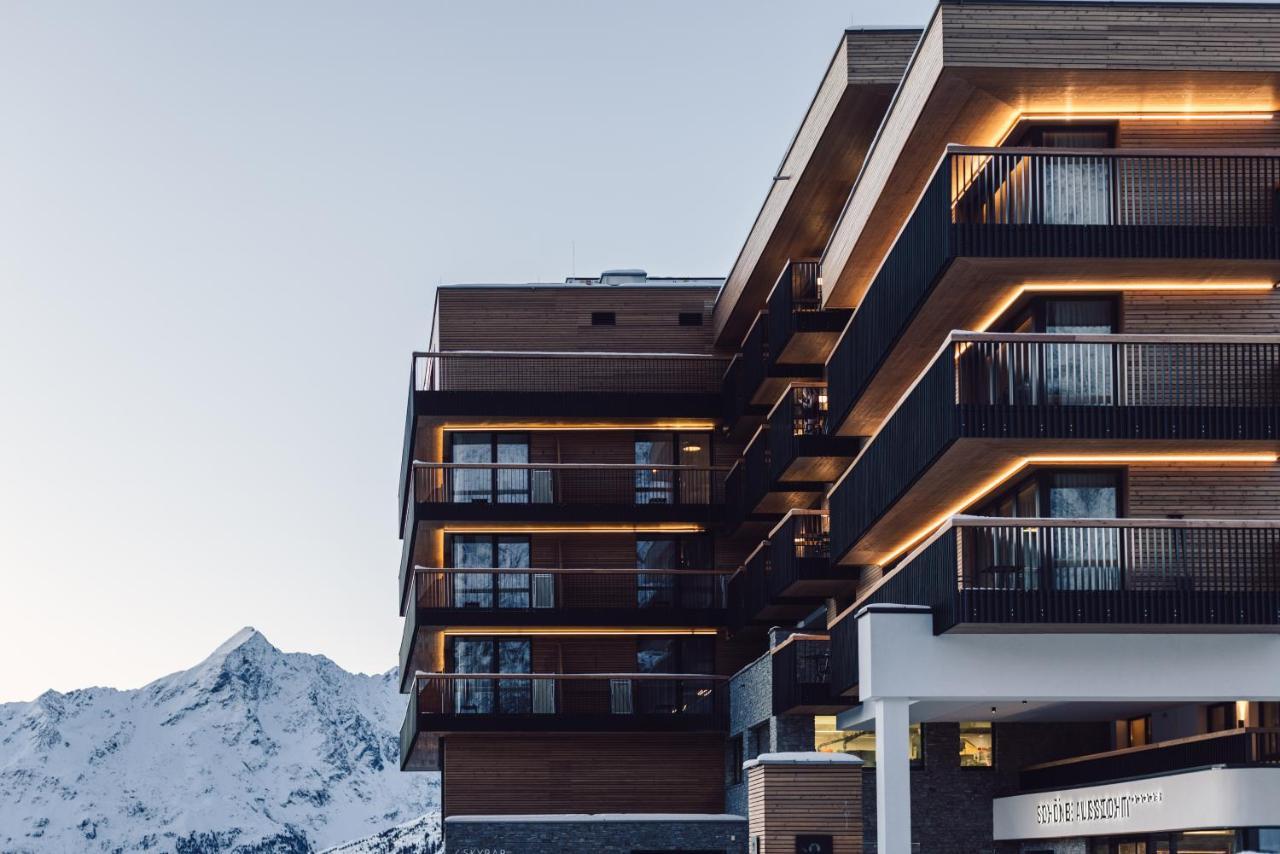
(803, 456)
(1235, 747)
(446, 703)
(989, 401)
(472, 384)
(800, 331)
(788, 575)
(1105, 575)
(802, 676)
(501, 596)
(991, 220)
(755, 379)
(577, 493)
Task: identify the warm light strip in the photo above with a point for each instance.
(549, 427)
(1090, 287)
(581, 632)
(1254, 116)
(1065, 459)
(672, 527)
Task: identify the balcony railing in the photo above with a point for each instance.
(748, 482)
(795, 307)
(1135, 387)
(802, 675)
(1082, 572)
(1238, 747)
(1059, 204)
(800, 448)
(787, 575)
(454, 702)
(566, 484)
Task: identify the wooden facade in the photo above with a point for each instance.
(583, 773)
(794, 799)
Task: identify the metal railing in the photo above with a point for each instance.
(695, 698)
(567, 484)
(994, 385)
(801, 673)
(1081, 572)
(748, 587)
(1126, 203)
(796, 291)
(1238, 747)
(799, 550)
(474, 370)
(508, 590)
(801, 412)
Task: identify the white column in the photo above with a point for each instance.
(893, 777)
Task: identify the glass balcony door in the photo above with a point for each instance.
(487, 590)
(485, 484)
(671, 589)
(664, 485)
(488, 695)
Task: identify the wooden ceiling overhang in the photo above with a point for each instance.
(815, 176)
(981, 66)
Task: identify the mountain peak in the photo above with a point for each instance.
(247, 635)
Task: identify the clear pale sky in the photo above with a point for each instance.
(220, 228)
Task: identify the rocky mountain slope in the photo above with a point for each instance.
(251, 751)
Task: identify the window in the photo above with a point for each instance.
(690, 318)
(484, 589)
(759, 739)
(604, 318)
(976, 744)
(828, 739)
(469, 654)
(735, 760)
(1223, 716)
(483, 484)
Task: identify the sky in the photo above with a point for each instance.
(221, 225)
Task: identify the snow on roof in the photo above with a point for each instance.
(805, 758)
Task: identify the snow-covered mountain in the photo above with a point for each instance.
(251, 751)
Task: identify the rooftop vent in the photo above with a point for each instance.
(624, 277)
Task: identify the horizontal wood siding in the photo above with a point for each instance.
(788, 800)
(1204, 312)
(1120, 36)
(1199, 134)
(583, 773)
(1205, 492)
(559, 318)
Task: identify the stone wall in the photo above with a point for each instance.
(951, 805)
(612, 834)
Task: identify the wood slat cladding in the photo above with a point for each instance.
(559, 318)
(1198, 134)
(583, 773)
(821, 163)
(981, 65)
(789, 800)
(1202, 312)
(1204, 491)
(1118, 36)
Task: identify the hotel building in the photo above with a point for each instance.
(948, 522)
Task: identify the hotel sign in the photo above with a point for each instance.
(1213, 797)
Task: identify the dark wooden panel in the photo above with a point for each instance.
(583, 773)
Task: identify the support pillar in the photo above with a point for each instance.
(893, 777)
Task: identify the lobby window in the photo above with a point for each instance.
(860, 743)
(976, 745)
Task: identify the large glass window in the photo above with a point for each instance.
(861, 743)
(976, 744)
(484, 483)
(669, 589)
(664, 485)
(489, 552)
(485, 655)
(676, 655)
